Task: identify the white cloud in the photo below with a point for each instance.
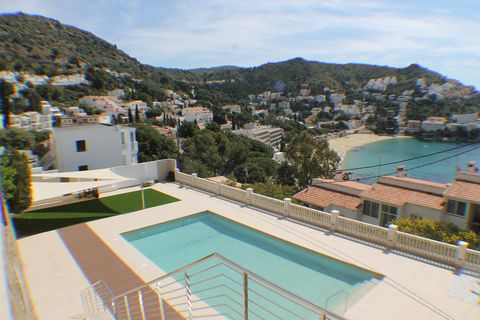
(244, 32)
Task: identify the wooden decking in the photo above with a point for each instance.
(99, 263)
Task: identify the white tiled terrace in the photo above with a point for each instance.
(410, 289)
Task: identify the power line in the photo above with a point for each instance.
(420, 166)
(409, 159)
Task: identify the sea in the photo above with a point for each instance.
(435, 160)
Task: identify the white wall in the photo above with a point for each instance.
(347, 213)
(424, 212)
(104, 147)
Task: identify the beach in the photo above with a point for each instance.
(343, 144)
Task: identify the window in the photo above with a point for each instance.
(83, 168)
(81, 146)
(389, 214)
(456, 207)
(132, 137)
(370, 208)
(123, 138)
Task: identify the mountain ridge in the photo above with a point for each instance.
(41, 45)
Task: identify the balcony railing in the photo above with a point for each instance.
(457, 256)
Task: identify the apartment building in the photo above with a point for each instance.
(399, 197)
(93, 146)
(433, 124)
(266, 134)
(31, 120)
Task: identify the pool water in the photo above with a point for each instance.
(310, 275)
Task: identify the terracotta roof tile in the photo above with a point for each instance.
(464, 190)
(399, 196)
(418, 181)
(324, 198)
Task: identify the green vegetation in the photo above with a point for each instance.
(6, 90)
(16, 180)
(311, 158)
(152, 145)
(210, 153)
(436, 230)
(33, 222)
(272, 190)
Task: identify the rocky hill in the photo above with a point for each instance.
(43, 46)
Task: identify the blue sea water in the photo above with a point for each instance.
(443, 171)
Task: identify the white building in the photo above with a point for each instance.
(433, 124)
(337, 98)
(31, 120)
(93, 146)
(266, 134)
(199, 114)
(465, 118)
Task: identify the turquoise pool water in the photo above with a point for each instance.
(309, 275)
(400, 149)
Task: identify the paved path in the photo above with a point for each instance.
(99, 263)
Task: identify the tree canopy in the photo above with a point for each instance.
(152, 145)
(220, 153)
(16, 180)
(311, 158)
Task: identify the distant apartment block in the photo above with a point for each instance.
(94, 146)
(337, 98)
(399, 197)
(266, 134)
(31, 120)
(413, 126)
(433, 124)
(199, 114)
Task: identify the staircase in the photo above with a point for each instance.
(211, 288)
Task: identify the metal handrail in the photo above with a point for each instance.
(335, 294)
(269, 285)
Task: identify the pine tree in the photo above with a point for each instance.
(137, 114)
(130, 116)
(6, 90)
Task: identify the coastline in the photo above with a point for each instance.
(343, 144)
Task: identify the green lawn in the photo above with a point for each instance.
(33, 222)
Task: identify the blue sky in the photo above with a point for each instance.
(441, 35)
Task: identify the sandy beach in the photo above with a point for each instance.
(343, 144)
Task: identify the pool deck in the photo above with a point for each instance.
(59, 264)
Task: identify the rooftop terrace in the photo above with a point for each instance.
(421, 278)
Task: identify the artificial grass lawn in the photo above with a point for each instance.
(34, 222)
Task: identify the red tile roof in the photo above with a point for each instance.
(417, 181)
(399, 196)
(468, 191)
(323, 198)
(348, 184)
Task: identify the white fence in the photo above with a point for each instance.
(453, 255)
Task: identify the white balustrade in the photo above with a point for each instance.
(362, 230)
(267, 203)
(427, 248)
(458, 256)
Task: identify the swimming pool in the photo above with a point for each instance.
(310, 275)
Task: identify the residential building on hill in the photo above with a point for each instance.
(433, 124)
(399, 197)
(94, 146)
(31, 120)
(266, 134)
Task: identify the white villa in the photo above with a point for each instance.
(93, 146)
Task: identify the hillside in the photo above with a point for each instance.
(40, 45)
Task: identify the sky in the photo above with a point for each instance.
(442, 35)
